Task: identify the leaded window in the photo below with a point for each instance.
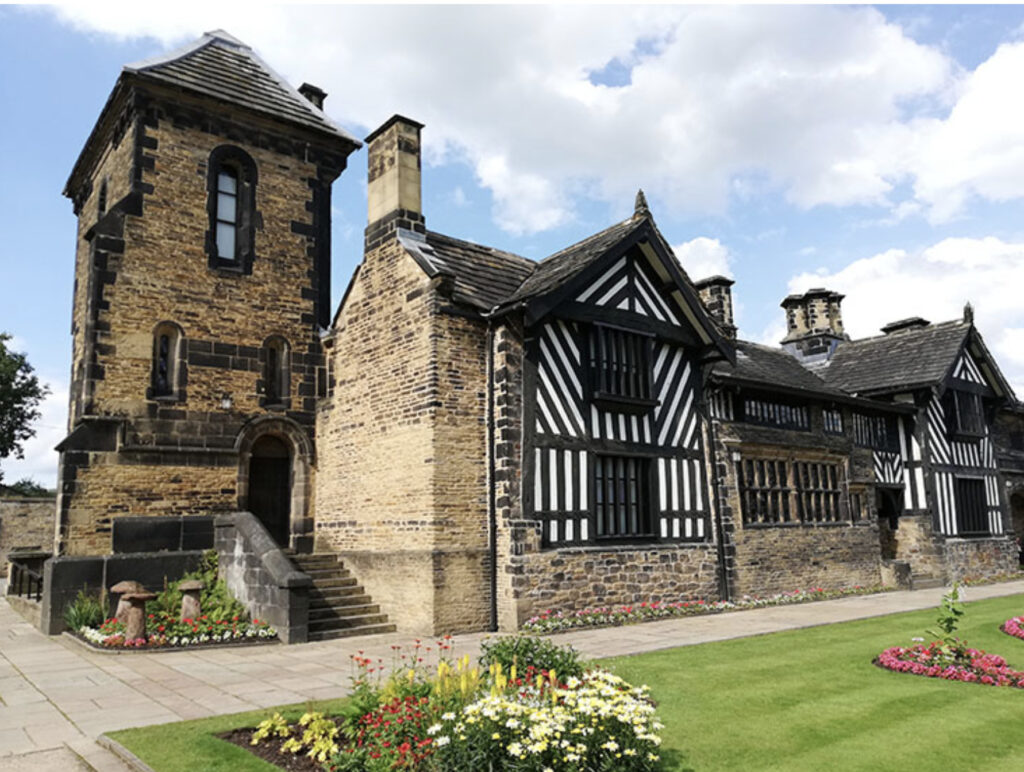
(777, 414)
(231, 192)
(832, 420)
(965, 414)
(622, 497)
(620, 366)
(971, 507)
(227, 213)
(875, 431)
(779, 491)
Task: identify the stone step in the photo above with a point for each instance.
(345, 602)
(316, 560)
(335, 582)
(330, 613)
(340, 623)
(349, 632)
(927, 582)
(336, 572)
(342, 588)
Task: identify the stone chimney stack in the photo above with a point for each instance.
(716, 295)
(314, 94)
(393, 179)
(814, 325)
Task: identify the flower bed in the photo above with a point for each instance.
(456, 717)
(165, 630)
(1014, 627)
(937, 660)
(976, 581)
(555, 621)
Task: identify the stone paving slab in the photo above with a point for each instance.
(57, 697)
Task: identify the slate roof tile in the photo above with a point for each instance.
(772, 367)
(903, 359)
(220, 66)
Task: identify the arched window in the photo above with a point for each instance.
(167, 348)
(231, 194)
(276, 371)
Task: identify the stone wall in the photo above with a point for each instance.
(764, 559)
(145, 262)
(980, 558)
(25, 524)
(919, 546)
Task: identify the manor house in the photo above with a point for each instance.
(473, 435)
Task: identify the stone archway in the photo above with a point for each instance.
(275, 462)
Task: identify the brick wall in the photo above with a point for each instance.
(25, 524)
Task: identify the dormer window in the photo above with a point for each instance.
(965, 415)
(620, 368)
(231, 203)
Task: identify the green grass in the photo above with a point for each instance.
(798, 700)
(192, 746)
(812, 700)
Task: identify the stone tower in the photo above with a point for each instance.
(202, 282)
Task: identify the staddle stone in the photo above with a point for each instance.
(135, 618)
(120, 589)
(190, 608)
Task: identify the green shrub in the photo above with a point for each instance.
(86, 610)
(526, 650)
(216, 600)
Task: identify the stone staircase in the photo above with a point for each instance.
(926, 582)
(338, 605)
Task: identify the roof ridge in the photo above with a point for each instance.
(906, 333)
(482, 246)
(592, 237)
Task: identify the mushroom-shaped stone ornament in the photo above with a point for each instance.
(135, 618)
(121, 589)
(190, 598)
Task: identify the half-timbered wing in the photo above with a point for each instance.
(616, 341)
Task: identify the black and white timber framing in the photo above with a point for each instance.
(615, 446)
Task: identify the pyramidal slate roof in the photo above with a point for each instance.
(904, 359)
(219, 65)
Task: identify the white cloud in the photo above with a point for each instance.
(934, 283)
(40, 461)
(702, 257)
(810, 102)
(978, 150)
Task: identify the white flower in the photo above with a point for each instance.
(442, 741)
(449, 716)
(433, 729)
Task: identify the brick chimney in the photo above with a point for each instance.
(716, 295)
(393, 179)
(814, 325)
(314, 94)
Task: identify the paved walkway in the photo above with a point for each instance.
(56, 697)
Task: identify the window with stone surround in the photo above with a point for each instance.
(231, 204)
(775, 491)
(832, 420)
(168, 345)
(276, 371)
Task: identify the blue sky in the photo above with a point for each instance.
(879, 152)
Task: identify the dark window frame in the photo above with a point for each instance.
(777, 414)
(965, 414)
(238, 163)
(775, 491)
(877, 432)
(971, 508)
(620, 368)
(628, 515)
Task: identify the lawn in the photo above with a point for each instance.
(799, 700)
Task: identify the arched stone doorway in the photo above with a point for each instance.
(270, 486)
(275, 459)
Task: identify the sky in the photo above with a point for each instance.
(875, 151)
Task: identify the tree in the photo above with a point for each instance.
(26, 488)
(20, 394)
